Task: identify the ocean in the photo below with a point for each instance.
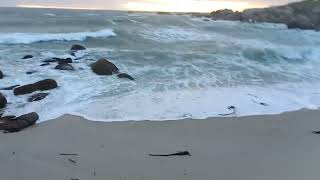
(184, 66)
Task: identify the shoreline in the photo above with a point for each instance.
(255, 147)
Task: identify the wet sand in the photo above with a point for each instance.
(271, 147)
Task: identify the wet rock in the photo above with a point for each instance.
(43, 85)
(37, 97)
(58, 60)
(77, 47)
(27, 57)
(65, 66)
(124, 75)
(104, 67)
(45, 64)
(1, 75)
(9, 88)
(19, 123)
(3, 101)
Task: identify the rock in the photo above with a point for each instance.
(104, 67)
(19, 123)
(3, 101)
(37, 97)
(27, 57)
(45, 64)
(1, 75)
(58, 60)
(77, 47)
(43, 85)
(302, 15)
(226, 14)
(65, 66)
(30, 72)
(46, 84)
(9, 88)
(124, 75)
(61, 60)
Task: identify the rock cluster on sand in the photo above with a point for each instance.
(13, 124)
(303, 15)
(43, 85)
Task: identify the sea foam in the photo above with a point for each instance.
(27, 38)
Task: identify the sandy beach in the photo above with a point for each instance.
(272, 147)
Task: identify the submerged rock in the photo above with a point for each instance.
(104, 67)
(3, 101)
(43, 85)
(19, 123)
(27, 57)
(45, 64)
(77, 47)
(124, 75)
(37, 97)
(30, 72)
(9, 88)
(65, 66)
(1, 75)
(58, 60)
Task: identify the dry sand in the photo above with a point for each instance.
(279, 147)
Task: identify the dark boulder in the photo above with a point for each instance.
(77, 47)
(1, 75)
(3, 101)
(65, 66)
(19, 123)
(9, 88)
(43, 85)
(46, 84)
(37, 97)
(124, 75)
(104, 67)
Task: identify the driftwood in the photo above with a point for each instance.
(13, 124)
(179, 153)
(68, 154)
(73, 161)
(231, 108)
(316, 132)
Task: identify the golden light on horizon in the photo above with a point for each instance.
(189, 5)
(160, 5)
(54, 7)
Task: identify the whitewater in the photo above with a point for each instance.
(184, 66)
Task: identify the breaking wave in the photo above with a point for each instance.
(27, 38)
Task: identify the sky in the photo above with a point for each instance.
(146, 5)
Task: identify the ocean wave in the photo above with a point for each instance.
(27, 38)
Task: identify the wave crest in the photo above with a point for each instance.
(27, 38)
